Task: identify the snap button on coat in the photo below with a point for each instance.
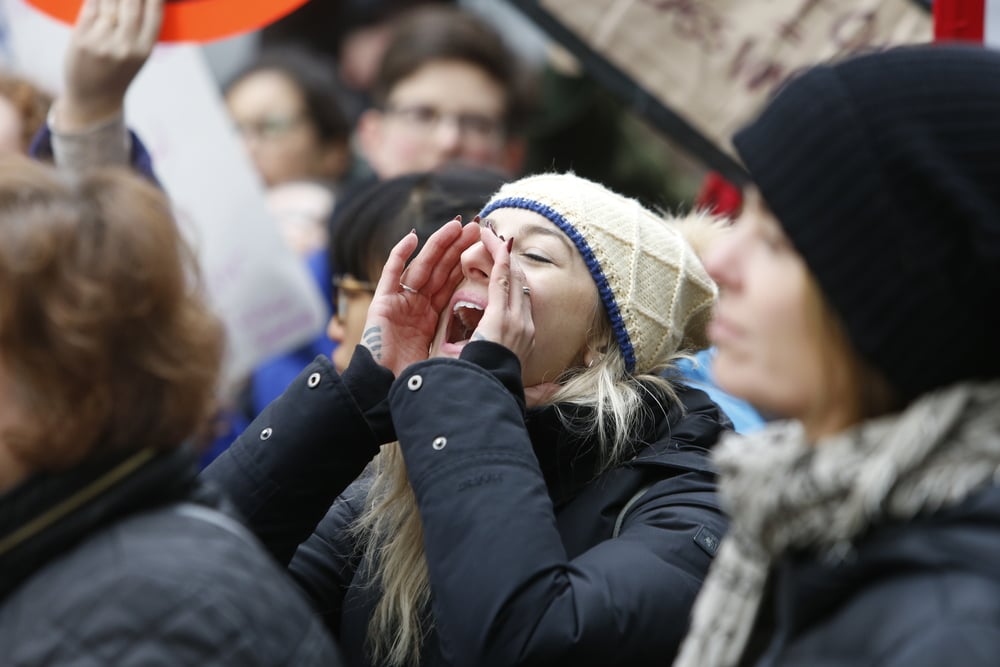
(414, 383)
(313, 380)
(266, 433)
(439, 443)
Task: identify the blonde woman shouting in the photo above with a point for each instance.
(534, 493)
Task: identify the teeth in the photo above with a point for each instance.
(467, 316)
(465, 304)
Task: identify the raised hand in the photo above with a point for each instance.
(507, 318)
(111, 41)
(408, 301)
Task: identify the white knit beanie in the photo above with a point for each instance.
(652, 284)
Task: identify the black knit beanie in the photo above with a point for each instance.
(884, 171)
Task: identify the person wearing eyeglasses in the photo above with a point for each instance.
(447, 90)
(286, 106)
(373, 221)
(291, 113)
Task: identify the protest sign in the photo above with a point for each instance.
(700, 69)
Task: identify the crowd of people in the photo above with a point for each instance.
(502, 450)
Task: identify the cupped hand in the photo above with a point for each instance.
(507, 317)
(402, 321)
(111, 41)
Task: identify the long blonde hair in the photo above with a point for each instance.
(390, 528)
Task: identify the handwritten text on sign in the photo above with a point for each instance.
(715, 62)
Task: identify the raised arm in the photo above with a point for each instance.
(291, 463)
(111, 41)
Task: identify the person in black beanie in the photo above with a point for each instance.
(859, 293)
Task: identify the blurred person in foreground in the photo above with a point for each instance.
(859, 294)
(111, 550)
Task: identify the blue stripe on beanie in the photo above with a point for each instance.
(594, 266)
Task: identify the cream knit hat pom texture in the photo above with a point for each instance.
(652, 284)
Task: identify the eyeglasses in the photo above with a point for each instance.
(269, 127)
(345, 288)
(425, 119)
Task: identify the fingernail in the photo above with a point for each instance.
(489, 225)
(510, 243)
(413, 231)
(458, 218)
(475, 220)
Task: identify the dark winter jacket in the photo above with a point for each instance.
(518, 520)
(919, 593)
(124, 562)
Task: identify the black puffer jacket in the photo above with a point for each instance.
(919, 593)
(124, 562)
(518, 521)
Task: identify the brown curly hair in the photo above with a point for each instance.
(105, 338)
(29, 101)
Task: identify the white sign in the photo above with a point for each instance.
(261, 290)
(991, 29)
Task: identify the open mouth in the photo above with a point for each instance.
(465, 317)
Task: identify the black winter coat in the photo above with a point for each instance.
(518, 521)
(123, 562)
(920, 593)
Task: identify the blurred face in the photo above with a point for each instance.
(445, 111)
(352, 298)
(772, 347)
(301, 210)
(272, 118)
(563, 295)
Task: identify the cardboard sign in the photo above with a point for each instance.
(194, 20)
(262, 291)
(701, 69)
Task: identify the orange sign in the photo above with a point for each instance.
(194, 20)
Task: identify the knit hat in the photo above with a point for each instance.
(653, 287)
(884, 171)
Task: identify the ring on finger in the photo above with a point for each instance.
(526, 289)
(407, 288)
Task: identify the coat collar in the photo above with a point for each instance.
(681, 437)
(48, 513)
